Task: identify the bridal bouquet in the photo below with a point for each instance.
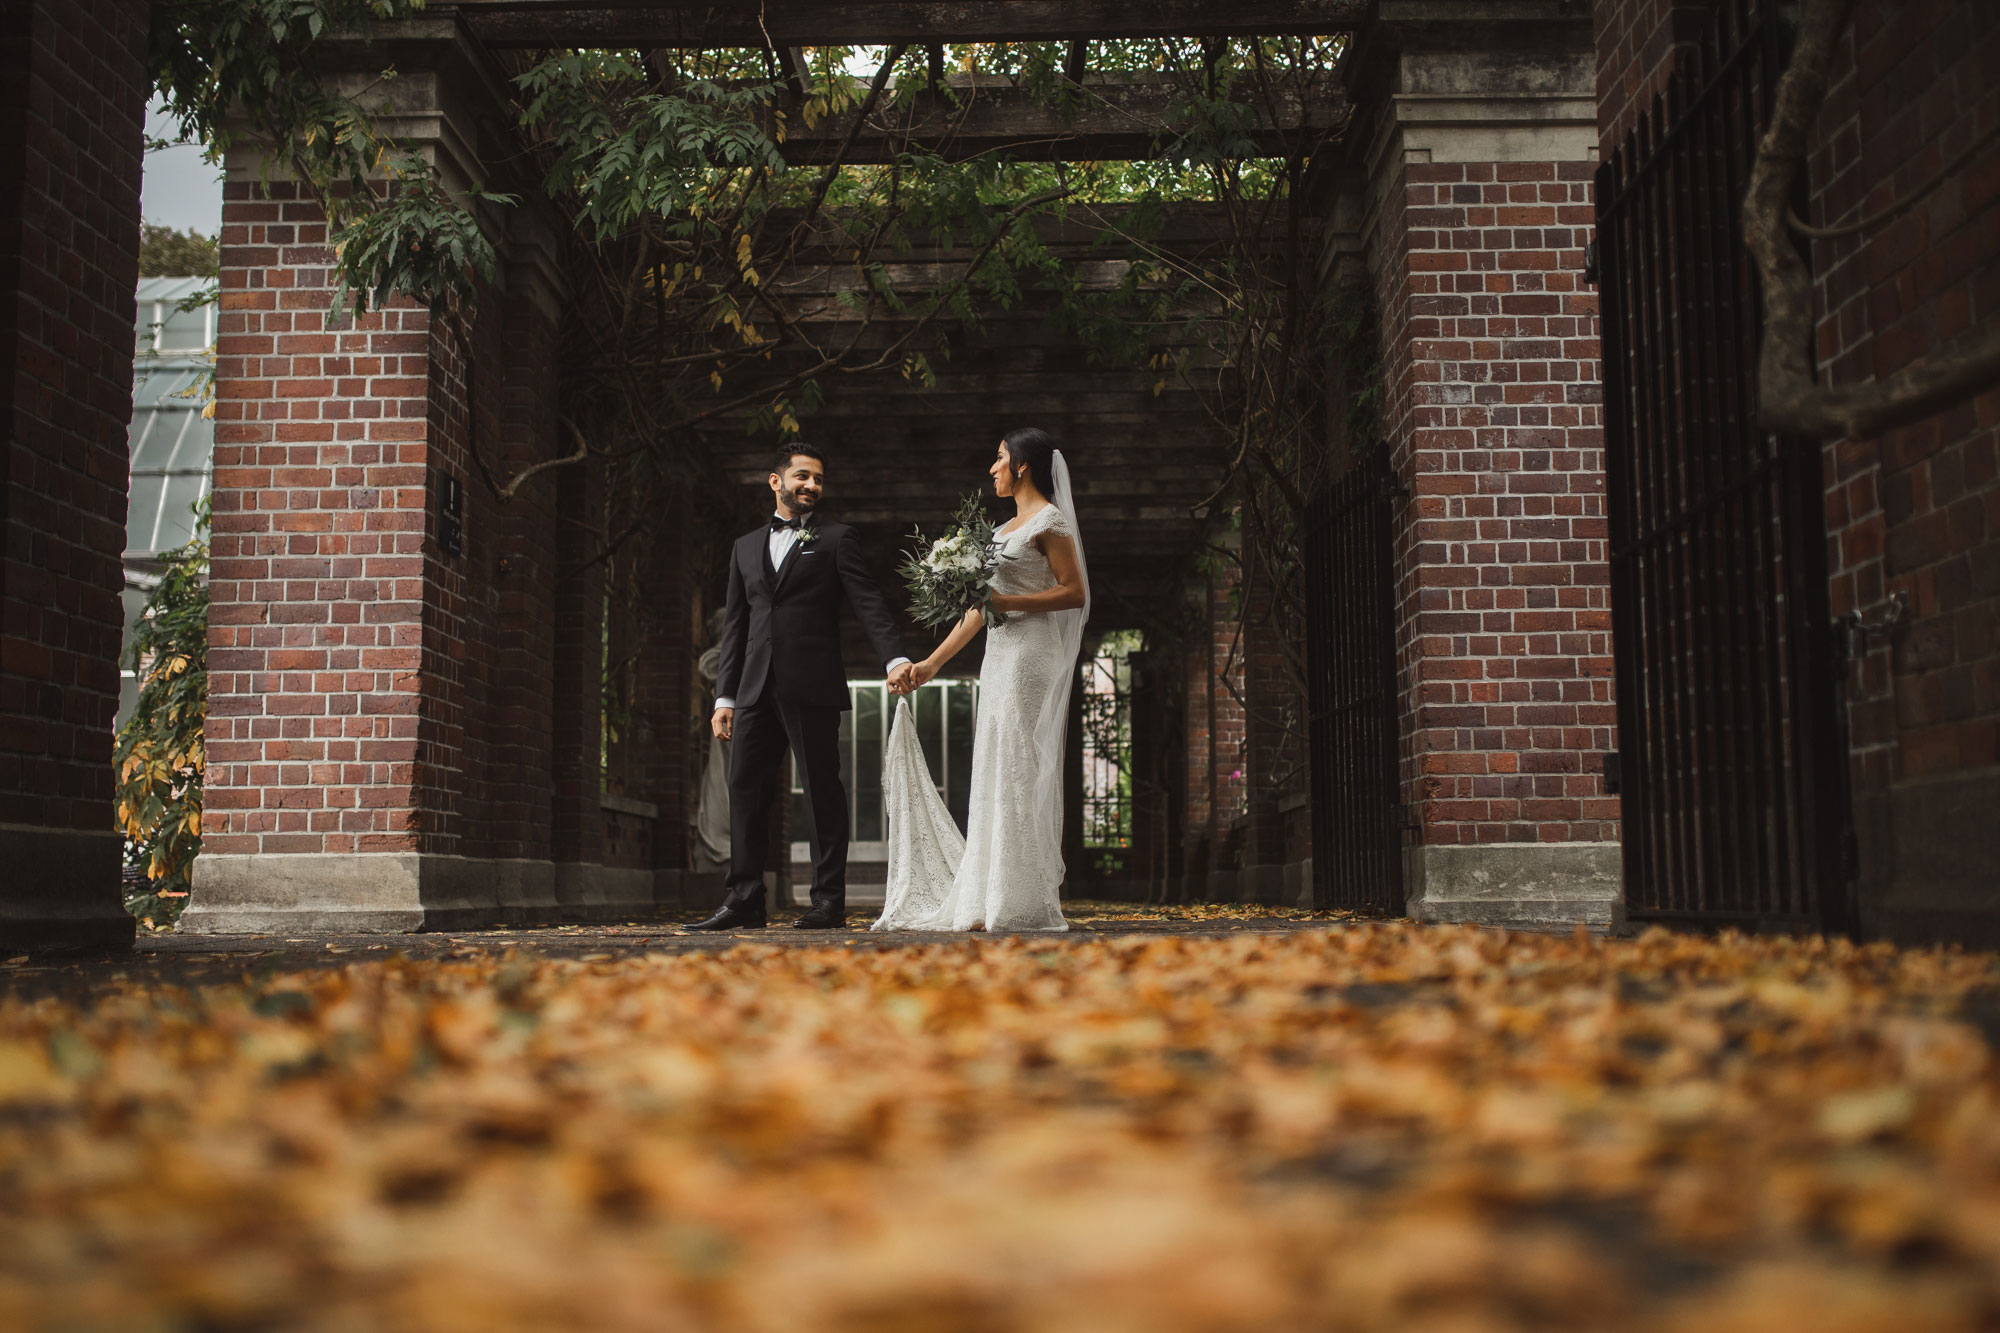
(955, 572)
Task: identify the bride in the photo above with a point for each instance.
(1006, 873)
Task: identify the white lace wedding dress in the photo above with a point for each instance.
(1006, 872)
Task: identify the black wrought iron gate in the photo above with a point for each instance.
(1351, 693)
(1730, 768)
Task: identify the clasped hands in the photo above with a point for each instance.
(911, 677)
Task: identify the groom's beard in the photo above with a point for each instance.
(797, 501)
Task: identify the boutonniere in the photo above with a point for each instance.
(808, 534)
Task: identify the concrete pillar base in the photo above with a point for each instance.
(1523, 886)
(1299, 883)
(1265, 884)
(401, 892)
(60, 889)
(1929, 847)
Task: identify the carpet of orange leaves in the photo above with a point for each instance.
(1371, 1126)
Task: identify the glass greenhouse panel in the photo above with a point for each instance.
(944, 713)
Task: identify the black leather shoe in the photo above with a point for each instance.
(731, 918)
(822, 917)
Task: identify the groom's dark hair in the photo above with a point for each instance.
(787, 452)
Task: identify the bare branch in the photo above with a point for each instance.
(1788, 400)
(1914, 197)
(521, 478)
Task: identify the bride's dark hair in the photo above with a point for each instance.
(1033, 448)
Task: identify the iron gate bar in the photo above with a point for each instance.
(1732, 774)
(1711, 590)
(1725, 307)
(1352, 711)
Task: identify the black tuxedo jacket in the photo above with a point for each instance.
(781, 628)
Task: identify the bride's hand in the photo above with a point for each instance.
(1000, 601)
(921, 674)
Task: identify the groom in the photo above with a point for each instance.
(781, 684)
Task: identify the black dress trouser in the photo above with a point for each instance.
(763, 732)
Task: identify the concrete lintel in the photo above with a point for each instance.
(628, 805)
(400, 892)
(1498, 141)
(1531, 885)
(1468, 81)
(1459, 12)
(60, 889)
(1453, 109)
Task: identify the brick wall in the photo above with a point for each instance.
(664, 745)
(516, 558)
(1216, 793)
(370, 691)
(1199, 681)
(72, 100)
(1916, 512)
(578, 668)
(1636, 45)
(316, 620)
(1227, 732)
(1274, 760)
(1492, 411)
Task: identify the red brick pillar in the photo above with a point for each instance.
(1158, 768)
(575, 703)
(403, 708)
(1478, 143)
(1913, 515)
(1273, 749)
(1218, 673)
(1198, 763)
(517, 727)
(72, 105)
(664, 684)
(320, 577)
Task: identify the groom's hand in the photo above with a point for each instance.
(724, 722)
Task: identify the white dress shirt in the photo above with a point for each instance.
(783, 540)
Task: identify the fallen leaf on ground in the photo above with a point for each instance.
(1366, 1126)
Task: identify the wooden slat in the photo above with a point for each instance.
(1119, 117)
(706, 24)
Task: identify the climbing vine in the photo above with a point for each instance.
(159, 758)
(227, 68)
(692, 236)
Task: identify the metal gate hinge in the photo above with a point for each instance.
(1853, 632)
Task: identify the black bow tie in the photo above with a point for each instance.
(780, 523)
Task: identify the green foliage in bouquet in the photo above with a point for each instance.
(953, 574)
(159, 759)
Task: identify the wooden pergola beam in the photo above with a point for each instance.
(707, 24)
(1119, 118)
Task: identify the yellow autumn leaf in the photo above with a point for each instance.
(26, 1074)
(1188, 1116)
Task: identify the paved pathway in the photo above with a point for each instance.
(172, 958)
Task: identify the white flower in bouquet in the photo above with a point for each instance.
(955, 572)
